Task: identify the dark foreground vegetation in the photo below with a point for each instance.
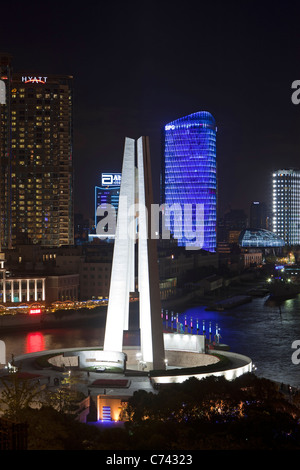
(247, 413)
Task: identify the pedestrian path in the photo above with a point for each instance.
(87, 382)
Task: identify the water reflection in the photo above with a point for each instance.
(263, 330)
(35, 342)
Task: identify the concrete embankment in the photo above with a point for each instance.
(230, 303)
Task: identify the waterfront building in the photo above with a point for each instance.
(286, 205)
(18, 289)
(94, 279)
(71, 272)
(62, 287)
(189, 178)
(26, 288)
(36, 139)
(251, 257)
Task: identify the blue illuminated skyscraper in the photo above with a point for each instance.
(189, 175)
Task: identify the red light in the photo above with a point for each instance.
(35, 311)
(35, 342)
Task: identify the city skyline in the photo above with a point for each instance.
(136, 69)
(192, 289)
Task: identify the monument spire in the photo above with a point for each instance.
(134, 225)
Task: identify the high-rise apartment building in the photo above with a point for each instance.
(36, 137)
(286, 205)
(5, 151)
(189, 175)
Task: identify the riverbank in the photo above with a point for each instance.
(231, 302)
(237, 287)
(225, 296)
(60, 318)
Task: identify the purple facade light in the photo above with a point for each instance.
(189, 176)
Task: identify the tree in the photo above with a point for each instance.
(18, 392)
(247, 412)
(63, 399)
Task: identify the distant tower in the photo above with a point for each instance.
(134, 226)
(286, 205)
(189, 170)
(258, 215)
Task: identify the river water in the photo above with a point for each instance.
(262, 330)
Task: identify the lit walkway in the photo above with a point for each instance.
(82, 380)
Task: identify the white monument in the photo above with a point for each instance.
(134, 226)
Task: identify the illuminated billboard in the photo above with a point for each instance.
(111, 179)
(34, 79)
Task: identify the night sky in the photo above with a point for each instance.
(138, 65)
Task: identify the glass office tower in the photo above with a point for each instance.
(286, 205)
(189, 176)
(107, 194)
